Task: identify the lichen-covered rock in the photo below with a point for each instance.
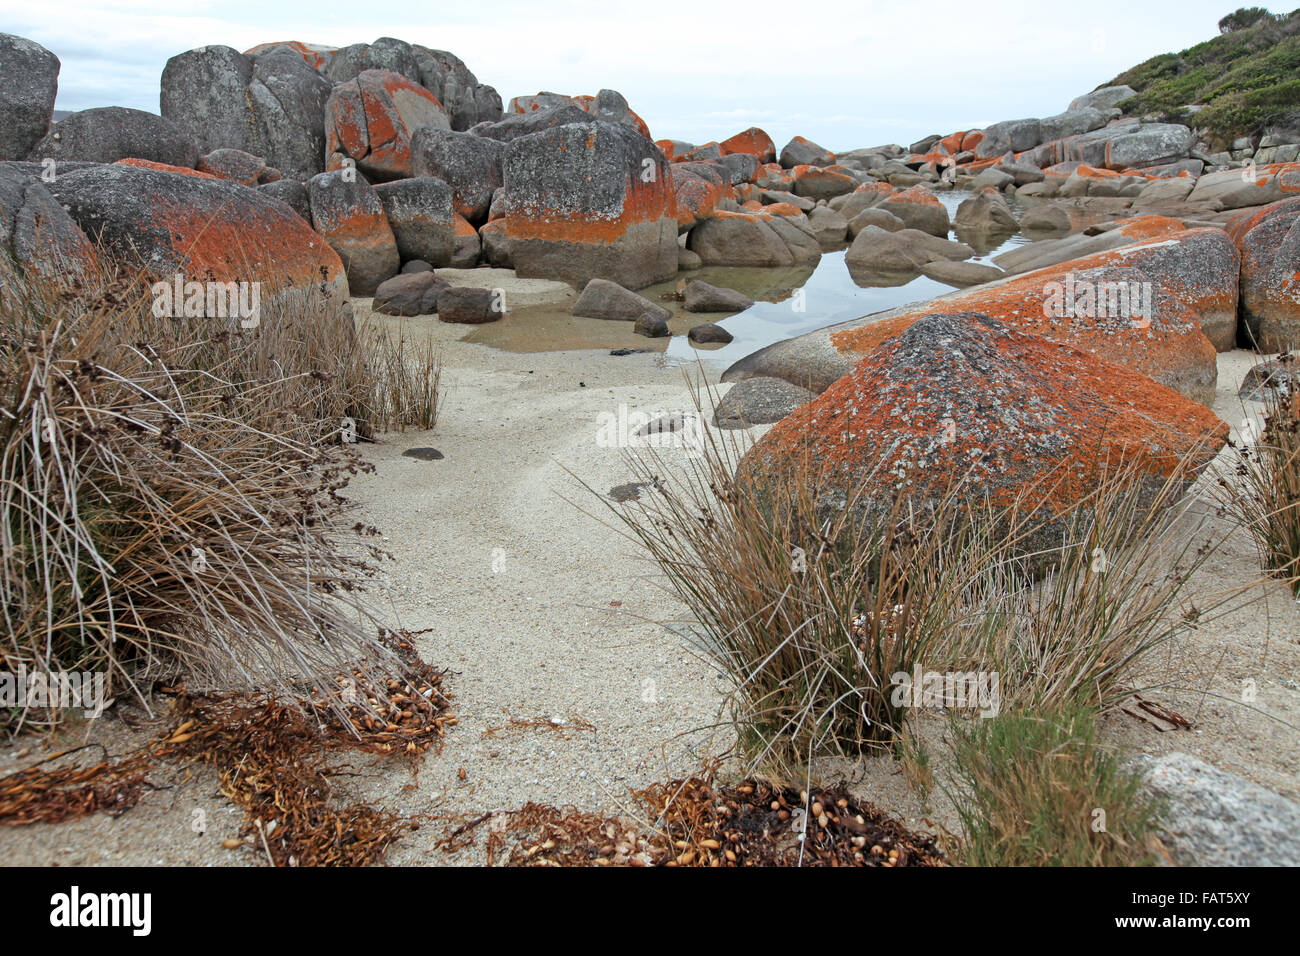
(1132, 306)
(698, 189)
(919, 208)
(107, 134)
(819, 183)
(804, 152)
(469, 164)
(1161, 337)
(446, 76)
(1269, 245)
(29, 81)
(371, 120)
(961, 396)
(589, 200)
(204, 91)
(35, 231)
(608, 105)
(316, 55)
(496, 244)
(419, 211)
(287, 100)
(753, 142)
(348, 213)
(207, 229)
(292, 193)
(742, 168)
(1009, 135)
(468, 245)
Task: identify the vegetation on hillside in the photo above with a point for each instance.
(1245, 79)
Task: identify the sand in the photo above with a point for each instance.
(542, 611)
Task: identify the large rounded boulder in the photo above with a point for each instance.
(590, 200)
(207, 230)
(962, 397)
(204, 91)
(470, 165)
(370, 120)
(35, 231)
(29, 77)
(347, 211)
(1269, 243)
(107, 134)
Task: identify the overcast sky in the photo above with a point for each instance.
(843, 74)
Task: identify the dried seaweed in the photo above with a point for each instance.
(701, 823)
(271, 756)
(66, 793)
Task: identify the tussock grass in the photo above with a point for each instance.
(1261, 491)
(171, 487)
(813, 612)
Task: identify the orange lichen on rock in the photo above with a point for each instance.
(782, 209)
(754, 142)
(164, 168)
(1094, 172)
(317, 56)
(1150, 227)
(1152, 330)
(964, 396)
(916, 194)
(881, 188)
(371, 119)
(971, 140)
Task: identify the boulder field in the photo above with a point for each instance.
(340, 167)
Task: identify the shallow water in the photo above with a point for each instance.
(788, 302)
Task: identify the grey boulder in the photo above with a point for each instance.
(29, 77)
(1213, 818)
(759, 401)
(107, 134)
(470, 165)
(419, 211)
(702, 297)
(603, 299)
(411, 293)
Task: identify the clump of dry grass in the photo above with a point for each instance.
(1262, 490)
(171, 487)
(813, 613)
